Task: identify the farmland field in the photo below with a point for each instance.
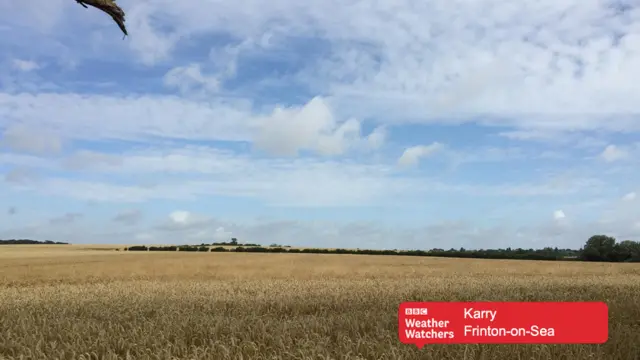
(72, 302)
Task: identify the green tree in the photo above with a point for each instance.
(599, 248)
(627, 250)
(234, 241)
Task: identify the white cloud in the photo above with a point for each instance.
(220, 235)
(190, 227)
(191, 173)
(630, 196)
(20, 176)
(31, 140)
(558, 137)
(149, 45)
(25, 65)
(613, 153)
(180, 217)
(287, 131)
(533, 67)
(103, 117)
(86, 159)
(412, 155)
(559, 215)
(376, 138)
(312, 127)
(190, 78)
(142, 237)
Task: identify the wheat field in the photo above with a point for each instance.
(75, 302)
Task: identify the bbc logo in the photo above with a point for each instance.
(416, 311)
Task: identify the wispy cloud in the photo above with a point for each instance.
(25, 65)
(413, 154)
(613, 153)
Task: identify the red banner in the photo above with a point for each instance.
(423, 323)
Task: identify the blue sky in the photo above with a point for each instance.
(388, 124)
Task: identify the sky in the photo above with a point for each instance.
(373, 124)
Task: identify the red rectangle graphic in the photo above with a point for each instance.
(423, 323)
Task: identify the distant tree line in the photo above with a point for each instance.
(521, 254)
(597, 248)
(601, 248)
(30, 242)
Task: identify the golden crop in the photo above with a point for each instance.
(71, 303)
